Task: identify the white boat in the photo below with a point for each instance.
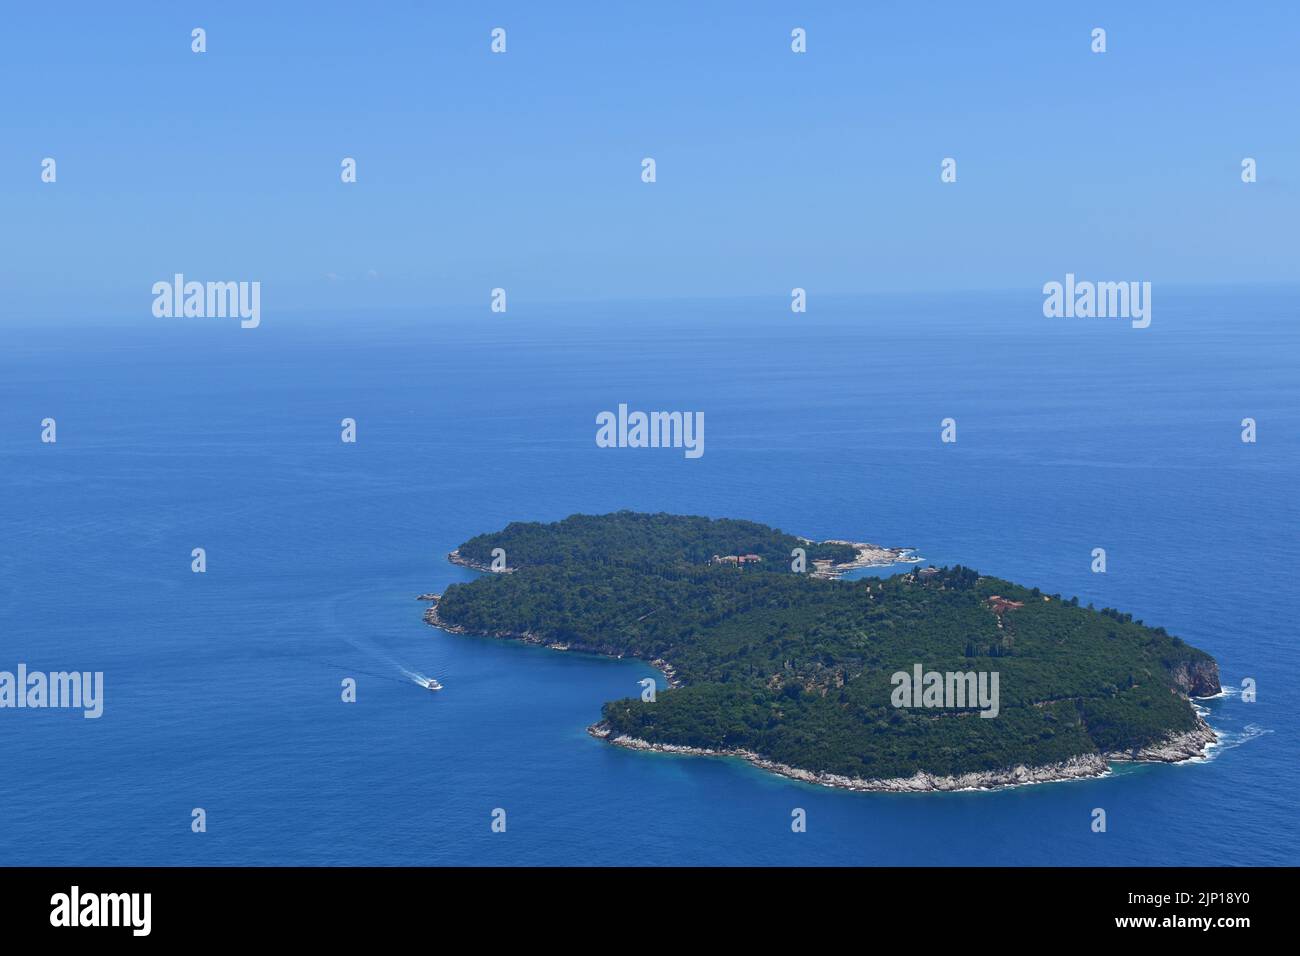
(433, 685)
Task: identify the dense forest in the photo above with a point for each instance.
(631, 539)
(799, 669)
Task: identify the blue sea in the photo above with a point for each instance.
(222, 689)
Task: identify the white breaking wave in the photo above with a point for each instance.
(1235, 738)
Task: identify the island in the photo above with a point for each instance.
(773, 657)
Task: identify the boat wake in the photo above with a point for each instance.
(379, 654)
(332, 624)
(349, 669)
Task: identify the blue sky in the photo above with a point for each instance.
(523, 170)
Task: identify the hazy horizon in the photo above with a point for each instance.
(522, 170)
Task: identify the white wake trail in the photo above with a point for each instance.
(381, 655)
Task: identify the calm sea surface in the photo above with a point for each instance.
(222, 689)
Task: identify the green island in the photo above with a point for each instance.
(798, 672)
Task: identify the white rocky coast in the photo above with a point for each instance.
(1176, 747)
(868, 556)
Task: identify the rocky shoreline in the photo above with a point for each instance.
(455, 557)
(867, 556)
(1175, 748)
(1076, 768)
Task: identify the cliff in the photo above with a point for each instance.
(1197, 678)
